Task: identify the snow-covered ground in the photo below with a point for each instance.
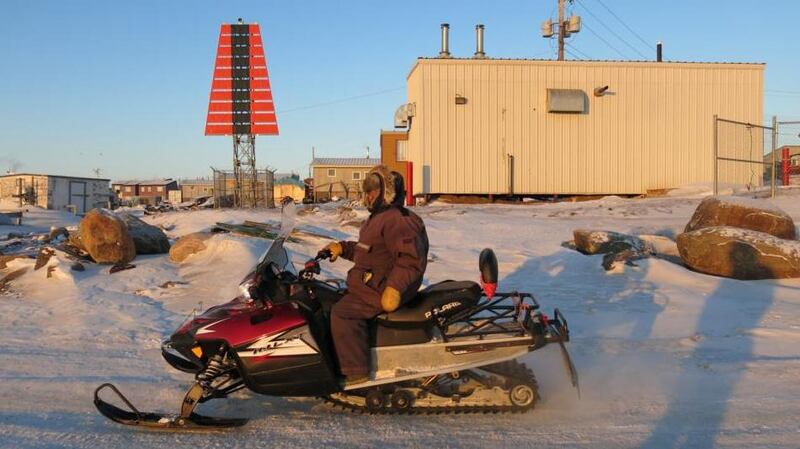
(667, 357)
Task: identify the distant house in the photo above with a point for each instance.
(339, 177)
(144, 192)
(289, 185)
(56, 192)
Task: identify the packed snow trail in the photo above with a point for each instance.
(667, 357)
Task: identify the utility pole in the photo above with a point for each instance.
(566, 26)
(561, 30)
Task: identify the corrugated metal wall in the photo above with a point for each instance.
(652, 130)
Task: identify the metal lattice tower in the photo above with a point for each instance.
(241, 106)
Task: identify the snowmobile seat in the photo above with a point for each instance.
(444, 299)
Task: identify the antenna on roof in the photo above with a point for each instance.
(367, 151)
(96, 172)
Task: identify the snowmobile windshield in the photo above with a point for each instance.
(276, 254)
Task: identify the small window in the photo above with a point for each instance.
(401, 151)
(160, 189)
(128, 189)
(356, 176)
(331, 172)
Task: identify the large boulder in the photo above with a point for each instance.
(739, 253)
(603, 242)
(187, 245)
(745, 213)
(105, 237)
(147, 238)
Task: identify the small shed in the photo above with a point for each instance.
(56, 192)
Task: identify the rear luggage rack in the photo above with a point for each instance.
(494, 316)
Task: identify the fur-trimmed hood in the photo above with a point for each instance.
(387, 182)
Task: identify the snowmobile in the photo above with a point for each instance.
(450, 349)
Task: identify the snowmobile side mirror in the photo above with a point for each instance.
(487, 264)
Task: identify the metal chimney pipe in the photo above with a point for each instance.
(479, 53)
(445, 53)
(658, 52)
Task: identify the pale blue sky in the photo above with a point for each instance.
(123, 86)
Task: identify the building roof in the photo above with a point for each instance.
(54, 176)
(346, 161)
(150, 182)
(292, 181)
(621, 61)
(195, 182)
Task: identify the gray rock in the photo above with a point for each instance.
(147, 239)
(602, 242)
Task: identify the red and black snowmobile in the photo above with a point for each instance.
(451, 349)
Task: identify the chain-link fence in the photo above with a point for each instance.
(258, 192)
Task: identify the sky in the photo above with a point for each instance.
(122, 87)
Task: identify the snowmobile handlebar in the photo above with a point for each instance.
(312, 266)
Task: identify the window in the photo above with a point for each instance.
(128, 189)
(331, 172)
(160, 189)
(400, 154)
(356, 176)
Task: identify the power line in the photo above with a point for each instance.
(579, 51)
(604, 41)
(624, 24)
(611, 31)
(341, 100)
(573, 54)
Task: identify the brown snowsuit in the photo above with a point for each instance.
(392, 250)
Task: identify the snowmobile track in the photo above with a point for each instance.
(511, 369)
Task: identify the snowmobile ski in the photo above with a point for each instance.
(187, 420)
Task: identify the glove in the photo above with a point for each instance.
(335, 248)
(390, 299)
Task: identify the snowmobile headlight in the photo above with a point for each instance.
(197, 351)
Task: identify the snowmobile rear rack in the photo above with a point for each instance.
(187, 420)
(507, 313)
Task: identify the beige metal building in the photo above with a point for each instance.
(339, 177)
(501, 126)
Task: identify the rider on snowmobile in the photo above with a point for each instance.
(389, 261)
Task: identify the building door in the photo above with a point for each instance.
(77, 196)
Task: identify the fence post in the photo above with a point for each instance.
(774, 149)
(716, 155)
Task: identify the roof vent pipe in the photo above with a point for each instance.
(658, 51)
(445, 53)
(479, 53)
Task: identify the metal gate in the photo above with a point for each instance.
(741, 143)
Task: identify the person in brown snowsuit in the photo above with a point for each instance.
(389, 260)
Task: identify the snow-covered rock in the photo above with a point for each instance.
(741, 212)
(106, 238)
(187, 245)
(147, 238)
(602, 242)
(739, 253)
